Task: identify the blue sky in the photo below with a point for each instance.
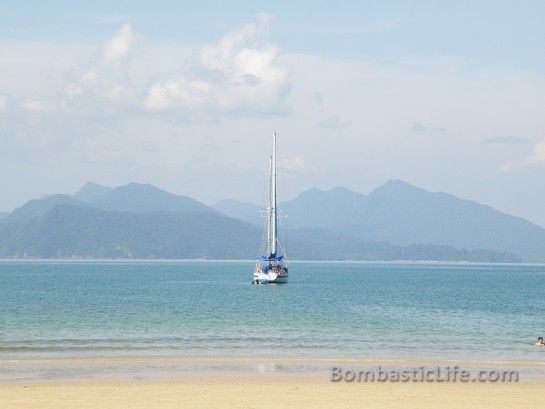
(449, 96)
(488, 32)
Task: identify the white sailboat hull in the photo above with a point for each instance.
(270, 277)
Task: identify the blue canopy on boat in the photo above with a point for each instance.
(272, 257)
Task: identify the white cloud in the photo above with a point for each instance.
(333, 122)
(3, 102)
(179, 92)
(297, 164)
(89, 78)
(37, 105)
(420, 127)
(119, 47)
(510, 166)
(503, 140)
(539, 152)
(238, 75)
(537, 157)
(106, 79)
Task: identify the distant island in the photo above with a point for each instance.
(396, 221)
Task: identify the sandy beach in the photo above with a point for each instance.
(212, 382)
(248, 392)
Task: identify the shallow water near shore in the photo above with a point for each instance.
(174, 308)
(167, 368)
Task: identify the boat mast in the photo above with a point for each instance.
(272, 222)
(269, 208)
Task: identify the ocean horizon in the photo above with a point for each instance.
(253, 260)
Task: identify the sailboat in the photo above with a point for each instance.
(271, 267)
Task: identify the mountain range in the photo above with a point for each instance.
(401, 214)
(395, 221)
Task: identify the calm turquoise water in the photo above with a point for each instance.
(327, 309)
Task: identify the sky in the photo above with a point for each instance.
(448, 96)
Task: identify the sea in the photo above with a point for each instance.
(328, 309)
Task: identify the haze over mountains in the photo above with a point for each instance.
(402, 214)
(395, 221)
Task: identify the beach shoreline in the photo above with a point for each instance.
(176, 367)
